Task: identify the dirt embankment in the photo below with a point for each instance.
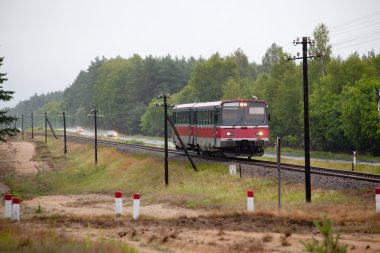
(162, 227)
(16, 158)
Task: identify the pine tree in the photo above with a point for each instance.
(5, 120)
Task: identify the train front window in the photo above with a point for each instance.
(231, 114)
(255, 114)
(244, 114)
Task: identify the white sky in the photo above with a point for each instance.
(47, 42)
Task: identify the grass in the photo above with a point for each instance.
(210, 188)
(365, 168)
(326, 155)
(14, 238)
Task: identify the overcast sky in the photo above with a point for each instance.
(47, 42)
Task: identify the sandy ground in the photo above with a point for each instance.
(161, 227)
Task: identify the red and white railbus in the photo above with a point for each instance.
(229, 127)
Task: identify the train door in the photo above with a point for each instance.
(188, 115)
(195, 131)
(214, 116)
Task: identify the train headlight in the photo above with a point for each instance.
(230, 133)
(259, 133)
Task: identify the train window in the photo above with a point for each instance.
(216, 118)
(255, 115)
(231, 114)
(256, 110)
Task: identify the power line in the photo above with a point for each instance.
(360, 27)
(358, 37)
(359, 43)
(356, 20)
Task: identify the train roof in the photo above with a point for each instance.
(214, 103)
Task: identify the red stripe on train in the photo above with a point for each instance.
(208, 132)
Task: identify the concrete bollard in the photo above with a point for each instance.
(136, 206)
(16, 209)
(377, 199)
(118, 203)
(250, 201)
(8, 206)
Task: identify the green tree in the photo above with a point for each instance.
(152, 120)
(274, 54)
(326, 132)
(322, 47)
(209, 77)
(5, 120)
(360, 120)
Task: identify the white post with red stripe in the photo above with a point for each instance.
(118, 203)
(250, 201)
(377, 199)
(136, 206)
(8, 206)
(16, 209)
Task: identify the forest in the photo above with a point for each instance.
(342, 94)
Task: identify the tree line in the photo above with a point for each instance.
(343, 101)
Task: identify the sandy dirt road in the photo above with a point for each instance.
(162, 227)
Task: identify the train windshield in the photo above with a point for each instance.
(244, 114)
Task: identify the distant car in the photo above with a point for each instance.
(111, 134)
(79, 130)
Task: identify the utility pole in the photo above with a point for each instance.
(45, 127)
(31, 114)
(22, 126)
(378, 100)
(95, 115)
(304, 42)
(165, 97)
(278, 146)
(64, 132)
(166, 120)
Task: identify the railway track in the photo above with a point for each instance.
(358, 176)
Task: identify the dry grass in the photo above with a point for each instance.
(14, 238)
(210, 188)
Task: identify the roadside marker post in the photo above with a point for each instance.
(232, 169)
(377, 199)
(250, 201)
(16, 209)
(118, 203)
(8, 206)
(136, 206)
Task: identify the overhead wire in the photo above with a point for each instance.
(366, 22)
